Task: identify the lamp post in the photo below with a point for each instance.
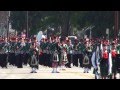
(107, 32)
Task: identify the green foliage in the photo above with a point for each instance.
(66, 20)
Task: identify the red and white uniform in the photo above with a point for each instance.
(114, 53)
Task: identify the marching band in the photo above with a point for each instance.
(103, 55)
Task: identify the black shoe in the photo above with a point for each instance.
(57, 72)
(31, 72)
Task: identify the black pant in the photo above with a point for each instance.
(41, 59)
(80, 57)
(4, 63)
(3, 60)
(44, 59)
(12, 59)
(19, 60)
(49, 60)
(75, 60)
(118, 63)
(69, 56)
(25, 58)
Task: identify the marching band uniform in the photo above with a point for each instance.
(1, 53)
(118, 59)
(104, 64)
(81, 49)
(96, 59)
(17, 52)
(12, 52)
(55, 62)
(52, 47)
(19, 55)
(70, 54)
(64, 59)
(75, 55)
(34, 58)
(89, 53)
(41, 56)
(44, 48)
(114, 69)
(37, 48)
(48, 55)
(27, 52)
(86, 63)
(5, 53)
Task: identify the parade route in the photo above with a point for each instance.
(44, 73)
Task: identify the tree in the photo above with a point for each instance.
(18, 20)
(64, 22)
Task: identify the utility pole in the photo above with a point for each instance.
(90, 34)
(116, 23)
(27, 26)
(8, 22)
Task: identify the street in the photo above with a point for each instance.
(44, 73)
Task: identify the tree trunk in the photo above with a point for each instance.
(66, 24)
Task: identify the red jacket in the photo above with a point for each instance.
(105, 55)
(114, 52)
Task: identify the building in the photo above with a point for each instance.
(4, 16)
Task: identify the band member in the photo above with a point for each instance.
(37, 48)
(55, 62)
(12, 51)
(21, 54)
(41, 54)
(104, 64)
(64, 59)
(23, 51)
(86, 63)
(6, 52)
(89, 53)
(53, 47)
(118, 59)
(70, 53)
(95, 59)
(81, 51)
(114, 69)
(34, 58)
(50, 52)
(27, 51)
(44, 49)
(75, 55)
(17, 51)
(2, 53)
(48, 55)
